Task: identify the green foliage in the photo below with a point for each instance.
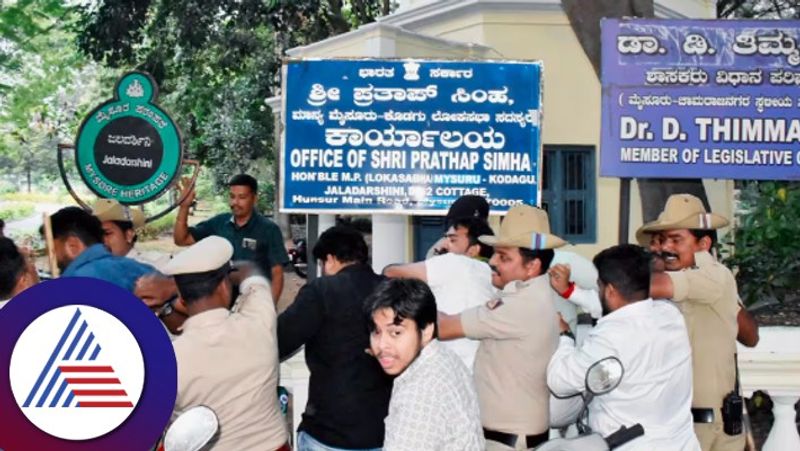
(16, 210)
(38, 197)
(50, 86)
(758, 9)
(216, 62)
(767, 251)
(160, 226)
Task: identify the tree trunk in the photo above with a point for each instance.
(584, 17)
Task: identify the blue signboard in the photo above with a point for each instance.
(409, 136)
(701, 98)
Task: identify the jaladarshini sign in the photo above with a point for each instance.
(128, 148)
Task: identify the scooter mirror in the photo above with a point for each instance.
(604, 376)
(192, 430)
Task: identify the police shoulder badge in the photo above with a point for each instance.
(494, 303)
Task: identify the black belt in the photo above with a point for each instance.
(703, 415)
(531, 441)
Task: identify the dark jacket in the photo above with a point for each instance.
(348, 391)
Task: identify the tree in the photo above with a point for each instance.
(216, 62)
(48, 87)
(758, 9)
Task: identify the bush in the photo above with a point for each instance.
(160, 226)
(16, 210)
(766, 253)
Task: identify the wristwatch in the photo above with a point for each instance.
(168, 307)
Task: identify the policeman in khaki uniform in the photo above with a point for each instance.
(120, 226)
(706, 293)
(228, 360)
(517, 331)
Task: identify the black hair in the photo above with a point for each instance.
(343, 242)
(125, 226)
(545, 256)
(467, 205)
(627, 267)
(408, 298)
(699, 234)
(475, 227)
(77, 222)
(193, 287)
(12, 265)
(244, 180)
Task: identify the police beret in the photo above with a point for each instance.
(208, 254)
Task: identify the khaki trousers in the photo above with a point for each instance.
(713, 438)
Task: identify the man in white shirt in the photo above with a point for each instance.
(460, 278)
(434, 405)
(651, 340)
(574, 278)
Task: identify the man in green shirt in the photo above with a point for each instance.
(253, 236)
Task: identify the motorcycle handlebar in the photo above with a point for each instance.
(624, 435)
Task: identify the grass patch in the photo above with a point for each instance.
(16, 210)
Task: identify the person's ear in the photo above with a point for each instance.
(73, 247)
(705, 243)
(474, 250)
(427, 333)
(533, 268)
(612, 296)
(129, 235)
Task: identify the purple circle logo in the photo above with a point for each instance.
(89, 368)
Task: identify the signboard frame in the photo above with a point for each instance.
(282, 154)
(683, 78)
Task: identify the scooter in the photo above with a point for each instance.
(193, 430)
(298, 256)
(602, 377)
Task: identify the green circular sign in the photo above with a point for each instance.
(128, 148)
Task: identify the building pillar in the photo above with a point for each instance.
(389, 240)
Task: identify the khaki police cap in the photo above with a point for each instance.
(111, 210)
(527, 227)
(684, 211)
(208, 254)
(643, 236)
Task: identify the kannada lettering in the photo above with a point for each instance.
(410, 136)
(706, 99)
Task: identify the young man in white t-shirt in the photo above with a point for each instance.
(460, 278)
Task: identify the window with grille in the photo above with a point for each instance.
(569, 192)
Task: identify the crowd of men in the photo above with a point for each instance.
(470, 349)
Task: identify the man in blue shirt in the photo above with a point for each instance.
(253, 236)
(78, 246)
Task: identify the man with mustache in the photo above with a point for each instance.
(748, 327)
(706, 292)
(516, 331)
(253, 236)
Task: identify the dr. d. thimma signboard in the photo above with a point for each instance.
(409, 136)
(701, 98)
(128, 148)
